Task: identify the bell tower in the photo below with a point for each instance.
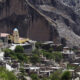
(16, 35)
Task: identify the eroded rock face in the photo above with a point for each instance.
(65, 18)
(74, 4)
(10, 7)
(18, 13)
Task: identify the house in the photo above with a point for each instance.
(68, 54)
(28, 47)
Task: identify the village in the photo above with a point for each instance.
(43, 59)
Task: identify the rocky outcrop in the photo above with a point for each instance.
(74, 4)
(66, 21)
(31, 24)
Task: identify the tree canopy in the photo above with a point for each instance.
(19, 49)
(6, 75)
(35, 59)
(34, 77)
(66, 75)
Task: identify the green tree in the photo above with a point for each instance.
(55, 55)
(58, 56)
(66, 75)
(45, 78)
(21, 57)
(17, 54)
(35, 59)
(6, 75)
(47, 54)
(38, 45)
(36, 51)
(56, 75)
(19, 49)
(34, 77)
(8, 52)
(51, 49)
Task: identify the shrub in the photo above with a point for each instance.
(35, 59)
(6, 75)
(8, 52)
(19, 49)
(34, 77)
(66, 75)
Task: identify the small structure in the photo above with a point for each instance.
(16, 35)
(78, 74)
(3, 37)
(28, 47)
(32, 69)
(68, 54)
(1, 56)
(1, 44)
(9, 68)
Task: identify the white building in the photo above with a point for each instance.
(68, 54)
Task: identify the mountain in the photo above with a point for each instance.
(63, 18)
(42, 20)
(31, 24)
(74, 4)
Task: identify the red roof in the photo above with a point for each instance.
(4, 34)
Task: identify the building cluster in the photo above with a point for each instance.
(47, 66)
(14, 38)
(43, 69)
(11, 41)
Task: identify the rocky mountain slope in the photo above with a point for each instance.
(74, 4)
(41, 20)
(66, 21)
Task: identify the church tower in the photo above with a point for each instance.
(16, 35)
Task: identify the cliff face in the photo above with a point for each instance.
(67, 22)
(9, 7)
(74, 4)
(41, 20)
(18, 13)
